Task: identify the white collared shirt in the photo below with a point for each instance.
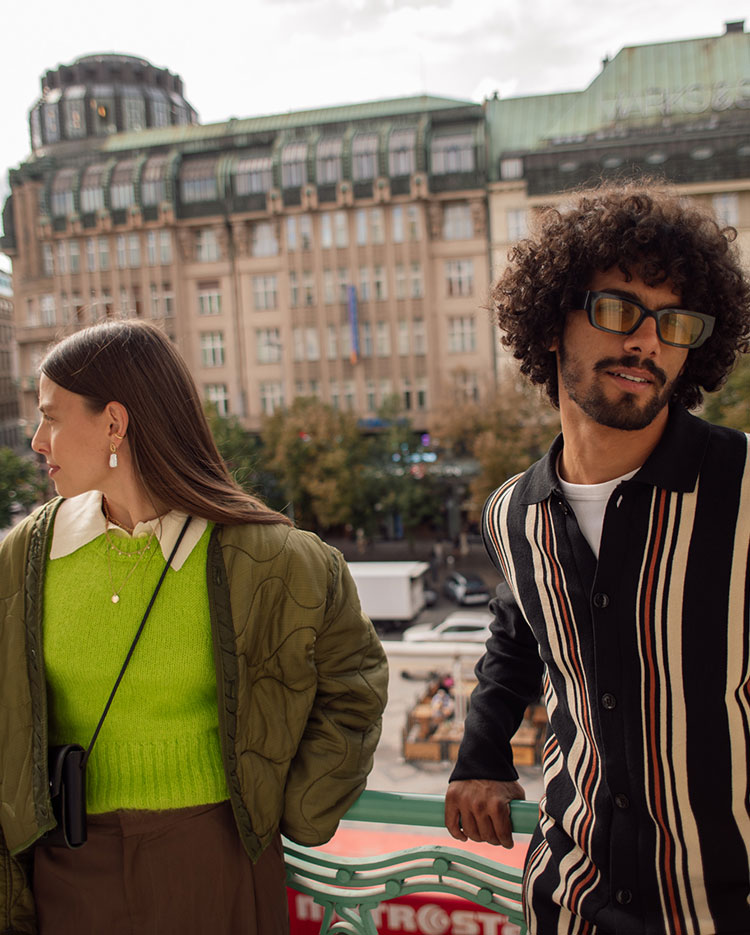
(80, 520)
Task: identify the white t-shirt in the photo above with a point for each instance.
(588, 502)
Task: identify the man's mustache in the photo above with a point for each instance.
(611, 363)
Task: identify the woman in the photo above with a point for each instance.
(252, 701)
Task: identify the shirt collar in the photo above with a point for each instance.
(674, 464)
(80, 520)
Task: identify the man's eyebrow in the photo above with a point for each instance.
(45, 409)
(624, 294)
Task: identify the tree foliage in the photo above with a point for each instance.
(731, 405)
(505, 434)
(20, 483)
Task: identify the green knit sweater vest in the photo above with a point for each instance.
(159, 745)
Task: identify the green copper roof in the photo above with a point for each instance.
(273, 123)
(642, 86)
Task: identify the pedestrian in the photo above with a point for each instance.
(251, 704)
(625, 552)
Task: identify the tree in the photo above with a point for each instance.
(20, 483)
(505, 434)
(731, 405)
(318, 455)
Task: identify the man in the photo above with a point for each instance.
(626, 555)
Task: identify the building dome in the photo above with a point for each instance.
(106, 93)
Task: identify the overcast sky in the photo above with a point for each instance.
(264, 56)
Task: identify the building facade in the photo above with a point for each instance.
(10, 429)
(339, 253)
(344, 253)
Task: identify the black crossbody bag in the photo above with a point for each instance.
(67, 764)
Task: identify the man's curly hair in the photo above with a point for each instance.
(645, 231)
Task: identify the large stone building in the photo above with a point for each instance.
(339, 253)
(346, 252)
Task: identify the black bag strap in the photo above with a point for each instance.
(137, 636)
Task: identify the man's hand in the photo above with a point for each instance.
(479, 809)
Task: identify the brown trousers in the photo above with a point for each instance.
(181, 872)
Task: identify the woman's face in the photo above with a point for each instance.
(73, 440)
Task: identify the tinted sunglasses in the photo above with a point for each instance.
(618, 315)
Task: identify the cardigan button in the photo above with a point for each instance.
(601, 600)
(622, 801)
(623, 897)
(609, 701)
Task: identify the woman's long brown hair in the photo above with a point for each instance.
(174, 453)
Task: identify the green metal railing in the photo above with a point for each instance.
(350, 889)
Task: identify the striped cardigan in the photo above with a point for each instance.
(645, 660)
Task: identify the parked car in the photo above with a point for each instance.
(465, 588)
(461, 626)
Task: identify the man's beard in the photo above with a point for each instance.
(625, 413)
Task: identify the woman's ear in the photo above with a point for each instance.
(118, 419)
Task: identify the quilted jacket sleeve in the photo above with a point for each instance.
(336, 753)
(17, 913)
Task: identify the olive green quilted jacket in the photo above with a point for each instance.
(301, 682)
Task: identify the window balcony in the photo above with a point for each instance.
(347, 892)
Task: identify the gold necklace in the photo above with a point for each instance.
(140, 553)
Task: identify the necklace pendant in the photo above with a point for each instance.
(115, 598)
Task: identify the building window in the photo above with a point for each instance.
(511, 169)
(61, 198)
(517, 221)
(365, 339)
(294, 165)
(422, 393)
(167, 299)
(350, 395)
(293, 290)
(264, 292)
(74, 251)
(265, 241)
(216, 393)
(343, 285)
(329, 287)
(341, 229)
(305, 231)
(400, 276)
(92, 189)
(312, 344)
(64, 309)
(271, 396)
(334, 393)
(326, 231)
(397, 223)
(154, 292)
(462, 336)
(74, 113)
(62, 257)
(364, 284)
(291, 234)
(103, 253)
(454, 153)
(47, 316)
(371, 401)
(403, 338)
(133, 109)
(383, 339)
(406, 393)
(134, 251)
(121, 253)
(298, 344)
(121, 188)
(377, 226)
(361, 219)
(413, 225)
(328, 169)
(459, 277)
(419, 337)
(380, 283)
(417, 283)
(401, 152)
(308, 288)
(365, 157)
(268, 345)
(158, 106)
(331, 342)
(48, 260)
(154, 181)
(212, 348)
(386, 390)
(466, 385)
(90, 255)
(206, 246)
(457, 222)
(198, 181)
(151, 248)
(209, 299)
(727, 208)
(252, 175)
(165, 247)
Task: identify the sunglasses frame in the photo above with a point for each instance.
(590, 297)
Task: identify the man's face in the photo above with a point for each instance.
(620, 381)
